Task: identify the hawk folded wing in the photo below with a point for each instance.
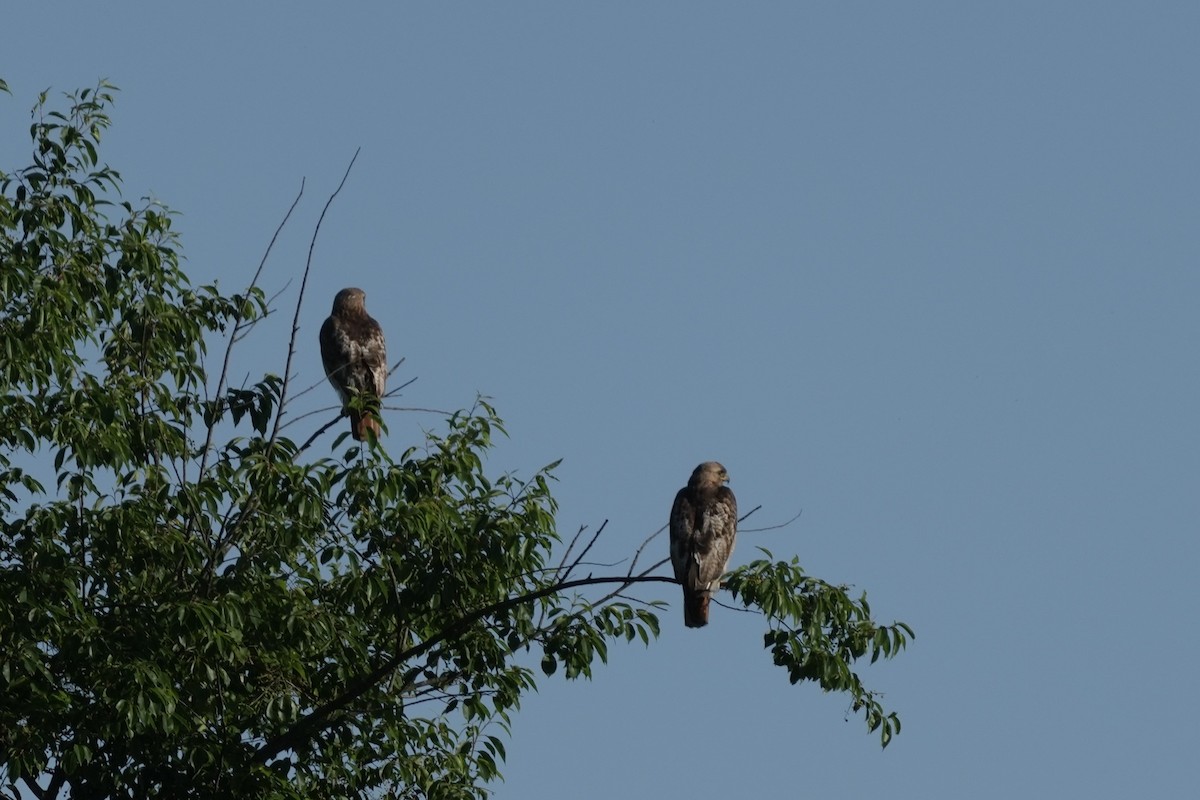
(354, 354)
(703, 529)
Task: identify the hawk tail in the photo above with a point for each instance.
(695, 608)
(361, 423)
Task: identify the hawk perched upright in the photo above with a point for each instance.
(355, 358)
(703, 527)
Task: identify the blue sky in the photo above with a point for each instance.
(926, 271)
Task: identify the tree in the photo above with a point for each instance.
(198, 605)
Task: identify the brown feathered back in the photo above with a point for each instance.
(703, 529)
(354, 354)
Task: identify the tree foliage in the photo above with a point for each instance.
(193, 604)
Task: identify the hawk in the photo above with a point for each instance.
(703, 527)
(355, 358)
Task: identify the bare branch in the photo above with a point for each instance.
(773, 527)
(287, 369)
(237, 322)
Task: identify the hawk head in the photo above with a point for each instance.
(349, 301)
(708, 475)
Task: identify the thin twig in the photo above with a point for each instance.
(317, 434)
(644, 574)
(652, 567)
(571, 547)
(594, 564)
(322, 381)
(628, 598)
(638, 553)
(323, 410)
(327, 409)
(585, 550)
(742, 518)
(774, 527)
(278, 294)
(392, 371)
(735, 608)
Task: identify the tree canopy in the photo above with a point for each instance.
(194, 604)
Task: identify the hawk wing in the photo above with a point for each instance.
(354, 354)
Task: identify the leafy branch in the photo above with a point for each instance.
(196, 603)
